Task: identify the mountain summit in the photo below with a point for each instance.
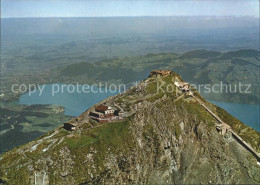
(158, 132)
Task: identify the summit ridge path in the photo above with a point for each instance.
(226, 128)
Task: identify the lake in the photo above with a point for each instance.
(76, 103)
(248, 114)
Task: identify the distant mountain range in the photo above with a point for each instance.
(197, 67)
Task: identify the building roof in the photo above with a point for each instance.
(101, 108)
(98, 113)
(181, 84)
(68, 125)
(161, 71)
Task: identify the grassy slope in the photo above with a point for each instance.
(109, 138)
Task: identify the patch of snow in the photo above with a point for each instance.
(34, 147)
(140, 142)
(48, 147)
(60, 141)
(182, 125)
(45, 149)
(51, 135)
(176, 83)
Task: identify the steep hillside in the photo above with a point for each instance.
(165, 138)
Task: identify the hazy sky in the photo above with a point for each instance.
(98, 8)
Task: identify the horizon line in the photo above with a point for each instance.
(252, 16)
